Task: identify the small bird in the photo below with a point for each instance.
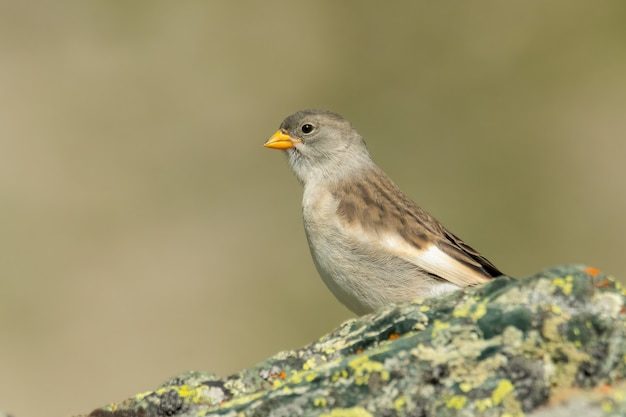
(371, 244)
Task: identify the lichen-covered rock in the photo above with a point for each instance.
(507, 348)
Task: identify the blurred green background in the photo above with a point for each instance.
(145, 230)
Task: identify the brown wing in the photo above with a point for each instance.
(374, 203)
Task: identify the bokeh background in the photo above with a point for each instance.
(145, 231)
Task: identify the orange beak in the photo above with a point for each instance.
(281, 140)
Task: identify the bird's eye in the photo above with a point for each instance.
(307, 128)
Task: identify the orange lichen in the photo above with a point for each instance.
(592, 271)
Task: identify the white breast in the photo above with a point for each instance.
(358, 268)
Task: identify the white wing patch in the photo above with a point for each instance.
(432, 260)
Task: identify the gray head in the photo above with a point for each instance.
(320, 145)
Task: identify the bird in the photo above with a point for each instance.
(370, 243)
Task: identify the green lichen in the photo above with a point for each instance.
(501, 349)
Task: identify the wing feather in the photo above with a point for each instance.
(384, 216)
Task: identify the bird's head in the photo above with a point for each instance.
(320, 144)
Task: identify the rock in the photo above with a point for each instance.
(550, 343)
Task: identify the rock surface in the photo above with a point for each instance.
(548, 344)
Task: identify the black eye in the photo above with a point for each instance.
(306, 128)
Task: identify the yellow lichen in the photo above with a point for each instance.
(364, 367)
(342, 374)
(462, 310)
(439, 325)
(243, 400)
(556, 309)
(565, 284)
(484, 404)
(186, 391)
(112, 407)
(309, 364)
(143, 395)
(348, 412)
(504, 387)
(474, 311)
(607, 406)
(479, 311)
(465, 386)
(457, 402)
(320, 402)
(399, 403)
